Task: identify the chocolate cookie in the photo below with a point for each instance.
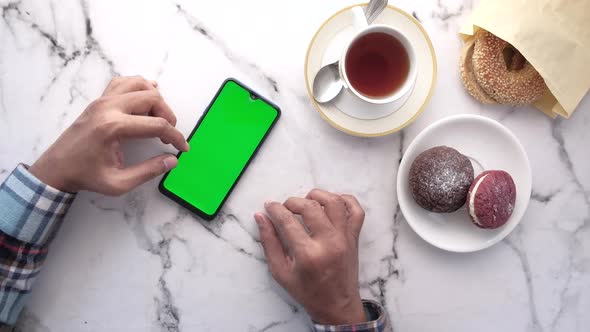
(491, 199)
(440, 179)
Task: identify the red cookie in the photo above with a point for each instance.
(491, 199)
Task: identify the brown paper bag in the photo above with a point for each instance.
(553, 35)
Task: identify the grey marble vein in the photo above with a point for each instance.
(92, 44)
(392, 270)
(214, 228)
(98, 205)
(59, 50)
(248, 67)
(515, 243)
(575, 247)
(445, 15)
(271, 326)
(6, 10)
(544, 198)
(380, 293)
(402, 141)
(167, 315)
(74, 92)
(36, 145)
(416, 16)
(10, 6)
(133, 211)
(397, 215)
(55, 48)
(392, 260)
(504, 112)
(162, 66)
(557, 135)
(377, 286)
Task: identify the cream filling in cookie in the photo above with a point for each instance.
(472, 200)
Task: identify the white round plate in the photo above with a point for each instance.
(486, 142)
(327, 46)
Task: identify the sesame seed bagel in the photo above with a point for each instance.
(504, 83)
(468, 76)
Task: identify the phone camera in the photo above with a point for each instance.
(253, 96)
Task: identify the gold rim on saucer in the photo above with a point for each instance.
(361, 134)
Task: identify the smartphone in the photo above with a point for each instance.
(223, 143)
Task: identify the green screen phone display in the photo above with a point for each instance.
(221, 147)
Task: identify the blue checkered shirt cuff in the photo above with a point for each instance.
(376, 316)
(32, 211)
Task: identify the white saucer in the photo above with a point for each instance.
(494, 147)
(327, 46)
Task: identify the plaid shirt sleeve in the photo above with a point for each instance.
(377, 321)
(30, 215)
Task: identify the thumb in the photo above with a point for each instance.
(133, 176)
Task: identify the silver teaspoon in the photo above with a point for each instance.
(327, 83)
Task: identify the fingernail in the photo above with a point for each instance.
(267, 203)
(258, 218)
(170, 163)
(187, 147)
(154, 83)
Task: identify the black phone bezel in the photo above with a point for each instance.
(186, 204)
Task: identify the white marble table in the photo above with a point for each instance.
(140, 263)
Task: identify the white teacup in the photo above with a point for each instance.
(380, 106)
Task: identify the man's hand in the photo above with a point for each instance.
(316, 263)
(88, 156)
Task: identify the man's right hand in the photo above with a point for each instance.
(88, 156)
(317, 263)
